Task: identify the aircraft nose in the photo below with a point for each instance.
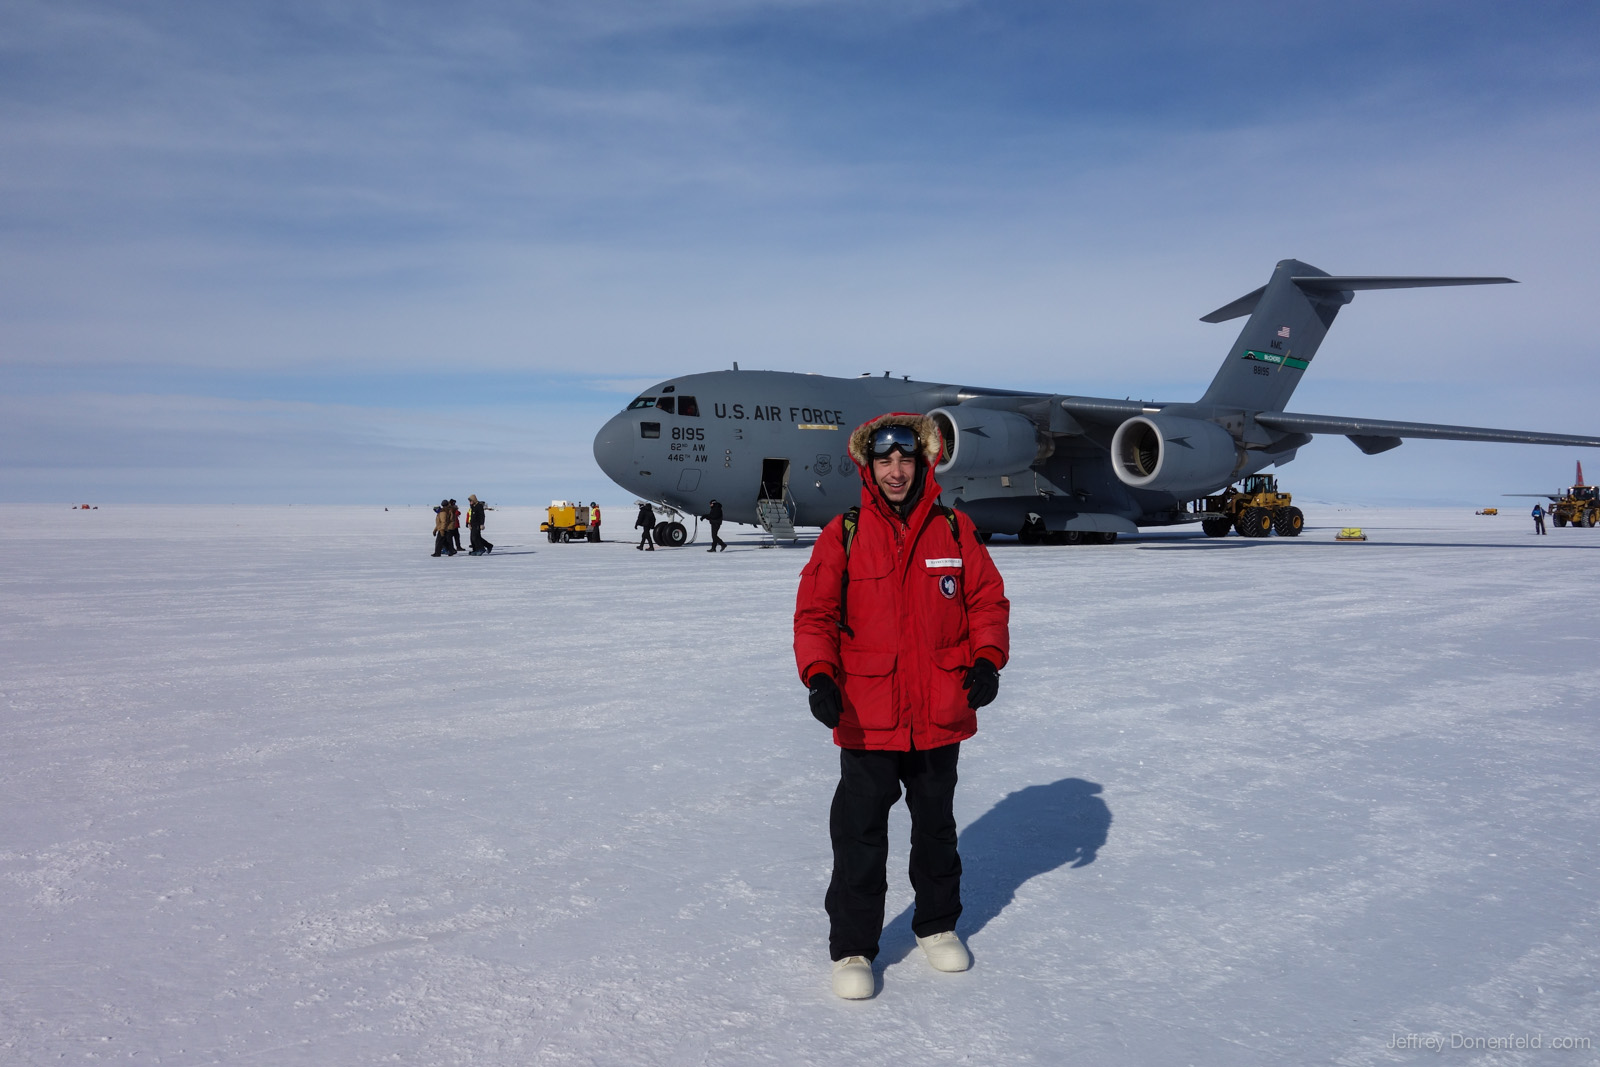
(613, 448)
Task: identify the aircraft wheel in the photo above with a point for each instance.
(1288, 522)
(1254, 522)
(1030, 534)
(1108, 538)
(1216, 527)
(675, 535)
(1072, 537)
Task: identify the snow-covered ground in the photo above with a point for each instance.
(280, 788)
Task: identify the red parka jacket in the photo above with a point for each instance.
(922, 602)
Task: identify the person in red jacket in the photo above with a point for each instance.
(900, 631)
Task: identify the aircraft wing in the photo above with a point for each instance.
(1388, 434)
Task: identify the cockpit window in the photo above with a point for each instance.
(666, 404)
(643, 402)
(687, 405)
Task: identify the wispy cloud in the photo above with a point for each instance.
(616, 192)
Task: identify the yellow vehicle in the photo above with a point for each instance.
(1579, 506)
(1254, 508)
(569, 522)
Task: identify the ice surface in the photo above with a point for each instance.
(280, 788)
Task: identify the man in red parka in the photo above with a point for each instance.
(900, 631)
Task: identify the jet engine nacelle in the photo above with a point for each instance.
(1168, 453)
(982, 442)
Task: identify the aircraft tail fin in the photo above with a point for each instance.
(1289, 317)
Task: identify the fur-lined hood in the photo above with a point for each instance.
(927, 433)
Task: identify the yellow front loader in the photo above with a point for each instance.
(1254, 508)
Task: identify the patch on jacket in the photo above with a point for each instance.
(947, 586)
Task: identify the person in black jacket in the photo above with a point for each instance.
(475, 510)
(647, 521)
(715, 516)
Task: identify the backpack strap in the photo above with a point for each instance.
(851, 519)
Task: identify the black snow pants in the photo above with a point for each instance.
(478, 543)
(869, 785)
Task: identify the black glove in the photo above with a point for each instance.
(982, 683)
(826, 703)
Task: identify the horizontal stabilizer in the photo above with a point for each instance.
(1350, 283)
(1379, 428)
(1242, 306)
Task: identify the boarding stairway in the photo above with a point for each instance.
(777, 518)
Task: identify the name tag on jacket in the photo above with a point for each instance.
(931, 563)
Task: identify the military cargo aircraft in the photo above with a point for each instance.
(771, 445)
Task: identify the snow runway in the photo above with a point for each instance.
(281, 788)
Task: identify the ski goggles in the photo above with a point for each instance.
(886, 439)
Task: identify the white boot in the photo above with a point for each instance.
(945, 951)
(852, 978)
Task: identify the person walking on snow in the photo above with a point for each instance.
(441, 530)
(455, 523)
(901, 626)
(475, 518)
(646, 520)
(1538, 518)
(715, 518)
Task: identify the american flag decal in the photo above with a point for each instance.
(1283, 331)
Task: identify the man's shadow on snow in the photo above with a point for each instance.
(1030, 832)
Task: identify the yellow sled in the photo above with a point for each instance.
(1350, 533)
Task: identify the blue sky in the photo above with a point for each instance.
(385, 252)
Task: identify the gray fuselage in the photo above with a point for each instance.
(785, 435)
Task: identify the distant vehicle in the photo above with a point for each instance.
(1576, 505)
(1046, 467)
(1487, 511)
(568, 522)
